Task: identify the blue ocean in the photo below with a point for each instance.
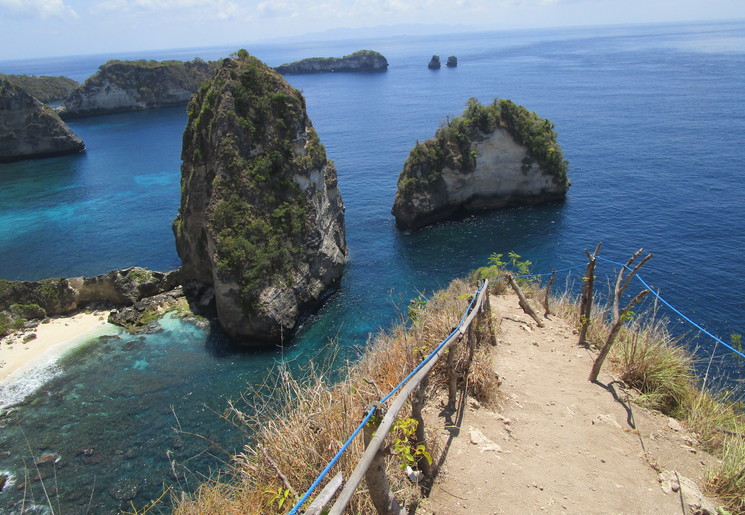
(650, 118)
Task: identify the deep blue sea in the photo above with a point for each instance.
(650, 118)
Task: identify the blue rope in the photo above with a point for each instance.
(666, 303)
(346, 445)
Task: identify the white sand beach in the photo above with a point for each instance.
(53, 339)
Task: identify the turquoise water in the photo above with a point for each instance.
(651, 120)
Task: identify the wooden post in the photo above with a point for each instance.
(375, 477)
(452, 379)
(547, 310)
(417, 403)
(585, 307)
(524, 302)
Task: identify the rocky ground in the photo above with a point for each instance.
(558, 443)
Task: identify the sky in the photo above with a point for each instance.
(50, 28)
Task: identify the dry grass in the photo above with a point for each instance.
(299, 423)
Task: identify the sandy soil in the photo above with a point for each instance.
(558, 443)
(53, 339)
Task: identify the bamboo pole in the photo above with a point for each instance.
(323, 498)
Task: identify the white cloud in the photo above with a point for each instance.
(276, 9)
(220, 9)
(37, 9)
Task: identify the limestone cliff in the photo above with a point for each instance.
(29, 129)
(120, 86)
(261, 218)
(493, 156)
(360, 61)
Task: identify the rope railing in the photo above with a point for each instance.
(458, 330)
(407, 385)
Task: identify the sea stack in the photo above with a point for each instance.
(452, 62)
(434, 63)
(30, 129)
(492, 156)
(261, 219)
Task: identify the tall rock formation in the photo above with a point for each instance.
(120, 86)
(261, 219)
(360, 61)
(491, 157)
(29, 129)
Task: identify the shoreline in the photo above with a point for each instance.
(53, 340)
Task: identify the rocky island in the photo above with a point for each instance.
(434, 63)
(261, 220)
(120, 86)
(30, 129)
(360, 61)
(45, 89)
(492, 156)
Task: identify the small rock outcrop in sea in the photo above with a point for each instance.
(29, 129)
(261, 218)
(360, 61)
(491, 157)
(434, 63)
(21, 301)
(120, 86)
(452, 62)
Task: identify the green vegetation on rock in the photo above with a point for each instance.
(451, 145)
(44, 89)
(257, 214)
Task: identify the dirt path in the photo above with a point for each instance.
(558, 443)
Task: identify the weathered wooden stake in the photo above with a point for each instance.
(452, 379)
(547, 310)
(585, 307)
(375, 477)
(524, 302)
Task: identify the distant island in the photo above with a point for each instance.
(120, 86)
(360, 61)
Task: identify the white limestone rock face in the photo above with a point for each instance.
(30, 129)
(261, 218)
(494, 156)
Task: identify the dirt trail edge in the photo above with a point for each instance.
(558, 443)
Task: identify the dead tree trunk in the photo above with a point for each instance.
(524, 302)
(585, 307)
(619, 315)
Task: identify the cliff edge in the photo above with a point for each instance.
(120, 86)
(261, 218)
(29, 129)
(360, 61)
(492, 156)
